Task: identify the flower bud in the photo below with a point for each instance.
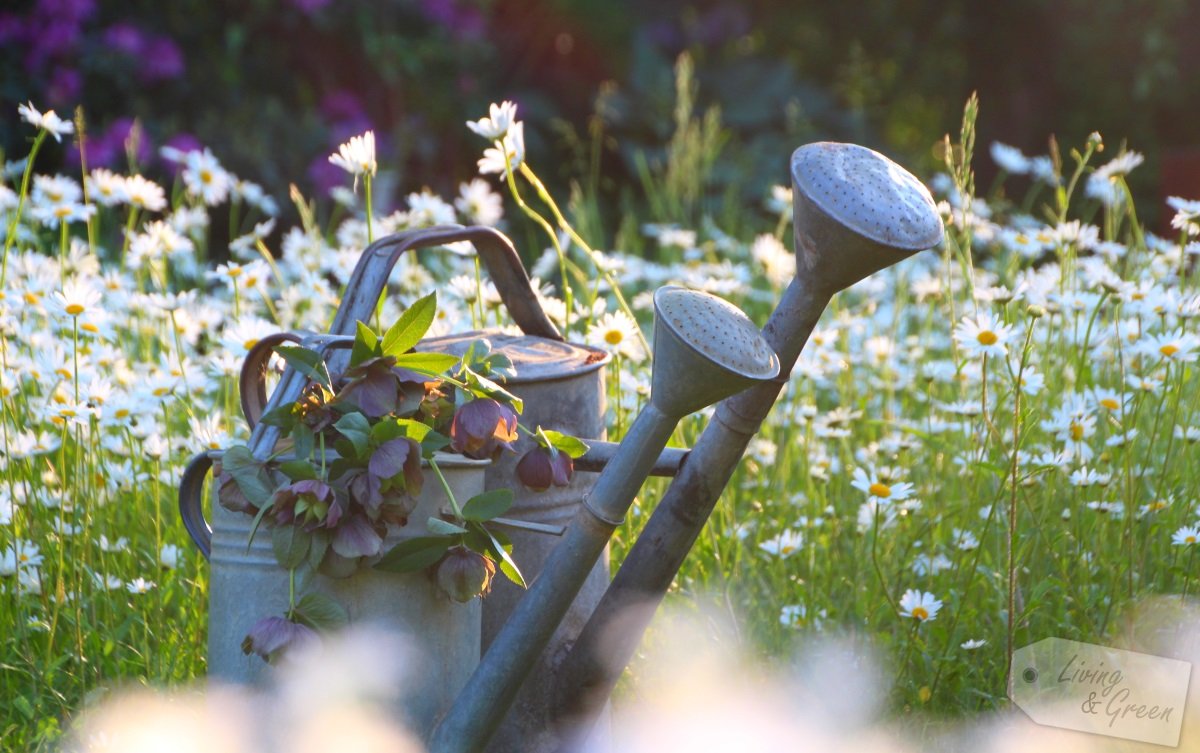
(464, 574)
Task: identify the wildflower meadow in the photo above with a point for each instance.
(992, 442)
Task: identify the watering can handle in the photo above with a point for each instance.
(367, 283)
(495, 250)
(191, 495)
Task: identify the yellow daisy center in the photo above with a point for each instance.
(920, 613)
(987, 337)
(1110, 403)
(787, 549)
(1076, 431)
(248, 344)
(880, 490)
(74, 309)
(1190, 539)
(613, 337)
(89, 327)
(1169, 350)
(206, 176)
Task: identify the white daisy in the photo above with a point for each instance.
(357, 156)
(919, 605)
(983, 335)
(501, 118)
(47, 121)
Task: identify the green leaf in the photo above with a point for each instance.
(505, 560)
(320, 612)
(303, 441)
(307, 362)
(444, 528)
(248, 473)
(481, 386)
(434, 364)
(433, 442)
(299, 470)
(283, 416)
(366, 344)
(291, 544)
(415, 554)
(356, 428)
(574, 447)
(411, 326)
(385, 430)
(254, 524)
(320, 544)
(488, 505)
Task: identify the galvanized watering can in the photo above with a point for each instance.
(562, 386)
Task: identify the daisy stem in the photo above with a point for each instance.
(11, 236)
(129, 225)
(1187, 574)
(545, 196)
(367, 192)
(531, 213)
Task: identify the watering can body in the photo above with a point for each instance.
(442, 636)
(562, 386)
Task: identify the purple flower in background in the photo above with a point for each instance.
(63, 89)
(463, 22)
(309, 7)
(12, 28)
(162, 60)
(125, 38)
(181, 144)
(342, 105)
(324, 176)
(107, 148)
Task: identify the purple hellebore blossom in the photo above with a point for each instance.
(540, 468)
(464, 574)
(309, 502)
(396, 456)
(356, 536)
(482, 428)
(378, 388)
(271, 637)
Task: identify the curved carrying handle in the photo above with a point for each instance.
(495, 251)
(252, 382)
(191, 495)
(367, 283)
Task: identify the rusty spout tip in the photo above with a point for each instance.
(868, 193)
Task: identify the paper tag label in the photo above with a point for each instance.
(1105, 691)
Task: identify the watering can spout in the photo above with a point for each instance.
(600, 454)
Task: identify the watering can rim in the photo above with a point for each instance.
(444, 459)
(596, 358)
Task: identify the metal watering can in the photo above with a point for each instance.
(562, 386)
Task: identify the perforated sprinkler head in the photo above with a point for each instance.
(705, 349)
(856, 212)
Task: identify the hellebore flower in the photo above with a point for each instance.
(271, 637)
(482, 428)
(356, 537)
(464, 574)
(378, 388)
(540, 468)
(229, 494)
(309, 502)
(314, 409)
(396, 456)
